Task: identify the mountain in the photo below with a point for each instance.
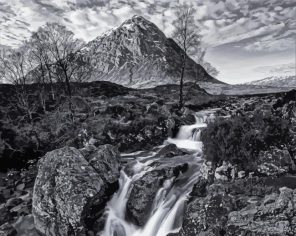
(138, 54)
(276, 81)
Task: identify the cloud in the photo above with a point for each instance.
(246, 24)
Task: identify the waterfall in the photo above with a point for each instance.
(188, 136)
(168, 206)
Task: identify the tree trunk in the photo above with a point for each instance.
(69, 92)
(181, 101)
(51, 85)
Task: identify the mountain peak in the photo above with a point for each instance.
(137, 19)
(138, 54)
(139, 22)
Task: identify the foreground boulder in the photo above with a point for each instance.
(207, 216)
(274, 215)
(70, 184)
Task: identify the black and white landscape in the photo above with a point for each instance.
(147, 118)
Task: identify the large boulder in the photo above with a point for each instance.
(274, 215)
(275, 162)
(70, 184)
(207, 216)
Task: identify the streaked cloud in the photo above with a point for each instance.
(264, 26)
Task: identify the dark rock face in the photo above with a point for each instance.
(170, 150)
(104, 160)
(68, 186)
(144, 191)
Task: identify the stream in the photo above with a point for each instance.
(167, 210)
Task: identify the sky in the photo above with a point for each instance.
(245, 39)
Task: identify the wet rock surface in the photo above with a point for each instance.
(145, 189)
(170, 150)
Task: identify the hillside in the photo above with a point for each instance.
(138, 54)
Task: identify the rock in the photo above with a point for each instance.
(275, 162)
(7, 230)
(104, 160)
(200, 188)
(241, 174)
(208, 171)
(145, 189)
(25, 226)
(206, 216)
(5, 215)
(68, 187)
(11, 203)
(20, 187)
(142, 132)
(170, 150)
(224, 172)
(276, 215)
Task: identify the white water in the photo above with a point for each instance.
(188, 136)
(168, 206)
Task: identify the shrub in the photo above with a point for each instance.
(239, 140)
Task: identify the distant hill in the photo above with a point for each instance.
(138, 54)
(276, 81)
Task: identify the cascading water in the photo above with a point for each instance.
(168, 205)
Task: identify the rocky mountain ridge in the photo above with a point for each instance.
(138, 54)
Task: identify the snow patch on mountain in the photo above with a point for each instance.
(276, 81)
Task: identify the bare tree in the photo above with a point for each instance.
(61, 57)
(43, 69)
(15, 66)
(186, 34)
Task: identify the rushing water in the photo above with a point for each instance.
(168, 206)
